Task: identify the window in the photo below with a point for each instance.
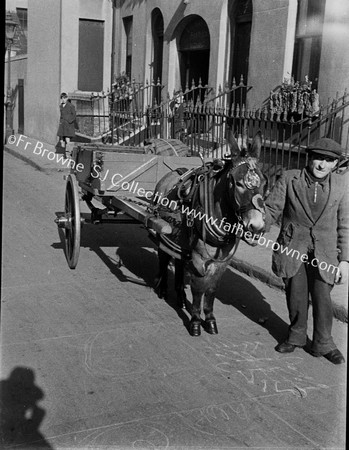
(241, 23)
(128, 25)
(307, 49)
(91, 48)
(158, 42)
(243, 26)
(22, 15)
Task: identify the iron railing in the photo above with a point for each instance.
(203, 119)
(132, 107)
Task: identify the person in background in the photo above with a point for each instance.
(313, 204)
(66, 129)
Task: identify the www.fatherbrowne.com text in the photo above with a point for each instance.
(237, 228)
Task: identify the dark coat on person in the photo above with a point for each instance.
(67, 121)
(327, 236)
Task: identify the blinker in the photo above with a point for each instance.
(252, 179)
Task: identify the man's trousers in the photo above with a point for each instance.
(308, 281)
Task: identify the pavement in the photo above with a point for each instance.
(255, 261)
(92, 358)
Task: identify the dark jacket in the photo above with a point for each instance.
(328, 236)
(67, 121)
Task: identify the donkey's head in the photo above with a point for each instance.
(247, 184)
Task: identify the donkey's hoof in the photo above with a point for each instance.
(194, 329)
(211, 326)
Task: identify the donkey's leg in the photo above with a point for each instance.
(179, 283)
(210, 320)
(161, 279)
(195, 322)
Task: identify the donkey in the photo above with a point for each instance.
(216, 205)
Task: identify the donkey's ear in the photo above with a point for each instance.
(256, 146)
(234, 146)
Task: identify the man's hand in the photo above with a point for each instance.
(342, 273)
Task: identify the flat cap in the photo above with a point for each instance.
(327, 147)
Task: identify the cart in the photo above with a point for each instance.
(122, 180)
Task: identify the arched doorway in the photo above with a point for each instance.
(194, 52)
(157, 23)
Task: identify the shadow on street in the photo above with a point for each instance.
(133, 255)
(21, 416)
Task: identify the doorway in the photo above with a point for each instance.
(194, 67)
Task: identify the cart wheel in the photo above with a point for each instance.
(72, 226)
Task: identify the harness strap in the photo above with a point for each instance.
(207, 225)
(210, 225)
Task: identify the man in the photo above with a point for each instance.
(313, 243)
(66, 129)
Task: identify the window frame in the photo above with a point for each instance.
(23, 21)
(128, 28)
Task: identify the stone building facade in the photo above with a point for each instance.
(265, 41)
(81, 46)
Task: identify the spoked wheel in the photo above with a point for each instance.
(72, 225)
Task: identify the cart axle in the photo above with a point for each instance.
(65, 221)
(62, 221)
